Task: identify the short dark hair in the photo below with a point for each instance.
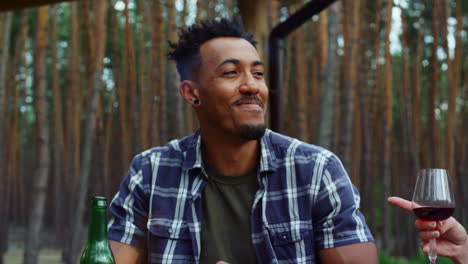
(186, 52)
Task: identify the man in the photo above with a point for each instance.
(235, 191)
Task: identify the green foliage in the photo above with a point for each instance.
(418, 259)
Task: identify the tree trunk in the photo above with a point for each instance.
(363, 101)
(453, 73)
(143, 75)
(132, 87)
(416, 94)
(312, 53)
(255, 20)
(374, 108)
(124, 96)
(288, 93)
(5, 24)
(7, 171)
(433, 143)
(351, 45)
(273, 13)
(300, 84)
(178, 123)
(40, 179)
(408, 142)
(458, 136)
(448, 143)
(388, 126)
(356, 143)
(73, 99)
(462, 168)
(18, 62)
(327, 77)
(11, 160)
(116, 70)
(59, 145)
(155, 33)
(96, 67)
(190, 118)
(158, 62)
(163, 110)
(5, 30)
(199, 15)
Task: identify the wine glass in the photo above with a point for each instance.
(433, 200)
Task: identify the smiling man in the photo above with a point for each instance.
(235, 191)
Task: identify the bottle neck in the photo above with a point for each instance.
(98, 224)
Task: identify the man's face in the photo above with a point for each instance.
(232, 92)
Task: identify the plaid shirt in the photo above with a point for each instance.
(305, 202)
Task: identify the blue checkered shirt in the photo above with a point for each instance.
(305, 202)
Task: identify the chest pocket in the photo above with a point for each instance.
(168, 239)
(289, 232)
(292, 241)
(168, 229)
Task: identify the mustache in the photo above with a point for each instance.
(249, 100)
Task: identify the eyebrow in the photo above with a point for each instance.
(257, 63)
(233, 61)
(236, 61)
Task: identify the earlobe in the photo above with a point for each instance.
(188, 90)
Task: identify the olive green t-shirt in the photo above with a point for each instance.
(227, 206)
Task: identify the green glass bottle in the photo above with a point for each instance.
(97, 250)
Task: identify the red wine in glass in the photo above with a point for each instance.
(433, 213)
(433, 200)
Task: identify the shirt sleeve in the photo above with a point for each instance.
(337, 219)
(129, 208)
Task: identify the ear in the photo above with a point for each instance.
(189, 90)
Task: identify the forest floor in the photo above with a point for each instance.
(49, 254)
(46, 256)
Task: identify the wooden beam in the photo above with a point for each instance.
(19, 4)
(275, 54)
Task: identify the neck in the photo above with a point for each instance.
(98, 225)
(230, 156)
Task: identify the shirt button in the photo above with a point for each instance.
(169, 230)
(284, 237)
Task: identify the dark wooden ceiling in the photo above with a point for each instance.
(7, 5)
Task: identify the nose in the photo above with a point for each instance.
(249, 85)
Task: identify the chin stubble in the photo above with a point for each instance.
(252, 132)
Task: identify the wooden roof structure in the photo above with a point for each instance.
(8, 5)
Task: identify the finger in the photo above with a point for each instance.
(448, 224)
(425, 225)
(428, 235)
(425, 247)
(452, 230)
(400, 202)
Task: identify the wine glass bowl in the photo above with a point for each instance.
(433, 199)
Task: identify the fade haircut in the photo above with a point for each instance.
(186, 52)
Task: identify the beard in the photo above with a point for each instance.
(252, 132)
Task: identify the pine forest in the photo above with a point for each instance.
(86, 85)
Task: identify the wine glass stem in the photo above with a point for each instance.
(433, 251)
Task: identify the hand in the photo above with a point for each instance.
(221, 262)
(452, 239)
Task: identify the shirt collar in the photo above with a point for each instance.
(194, 162)
(268, 156)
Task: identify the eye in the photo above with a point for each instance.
(258, 74)
(230, 73)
